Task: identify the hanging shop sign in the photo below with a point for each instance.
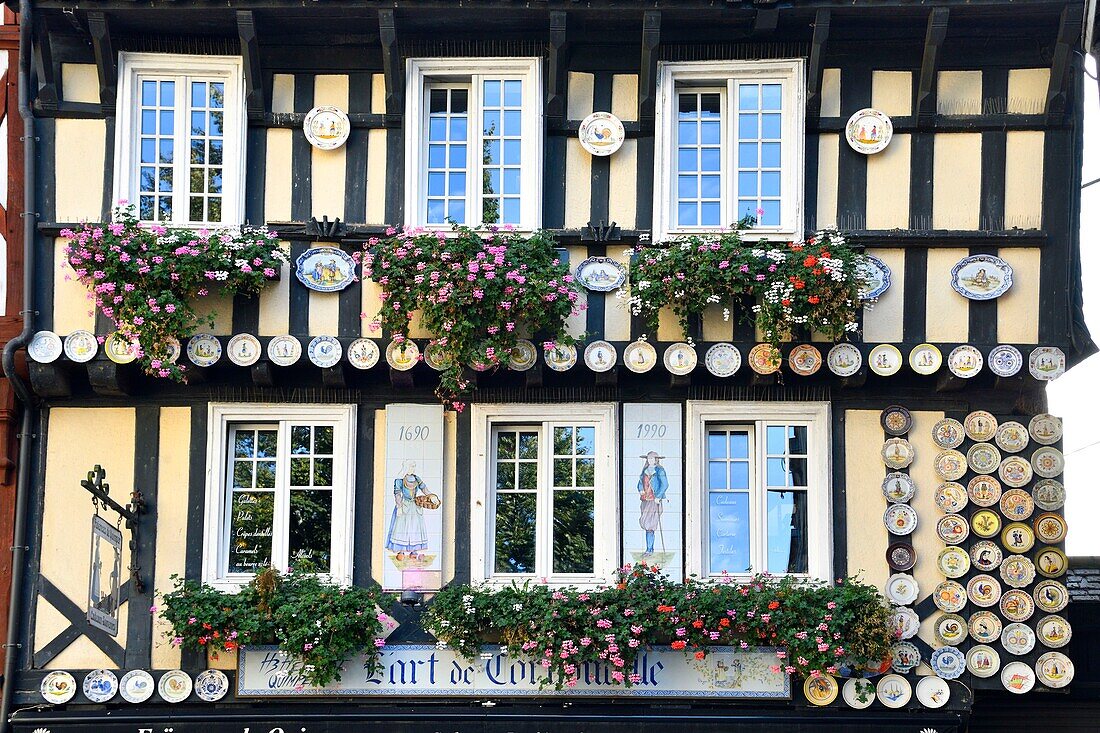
(869, 131)
(601, 133)
(105, 575)
(325, 269)
(327, 127)
(601, 274)
(981, 277)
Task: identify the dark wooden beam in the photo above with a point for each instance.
(48, 95)
(105, 60)
(815, 68)
(647, 79)
(933, 40)
(255, 96)
(557, 68)
(110, 379)
(391, 66)
(1069, 30)
(766, 22)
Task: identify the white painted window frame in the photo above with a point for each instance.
(132, 66)
(791, 74)
(816, 416)
(216, 526)
(419, 74)
(483, 419)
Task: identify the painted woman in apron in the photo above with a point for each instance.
(652, 485)
(407, 534)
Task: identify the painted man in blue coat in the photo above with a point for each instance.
(652, 485)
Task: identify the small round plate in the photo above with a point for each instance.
(1054, 631)
(804, 360)
(901, 556)
(1050, 596)
(902, 589)
(985, 627)
(1050, 562)
(402, 355)
(904, 656)
(986, 556)
(900, 519)
(1012, 436)
(885, 360)
(985, 523)
(868, 131)
(1050, 528)
(983, 661)
(844, 360)
(436, 356)
(894, 691)
(211, 685)
(363, 353)
(325, 351)
(58, 687)
(953, 562)
(984, 490)
(45, 347)
(1017, 537)
(600, 356)
(100, 685)
(925, 359)
(983, 591)
(950, 629)
(980, 426)
(243, 349)
(639, 357)
(524, 356)
(175, 686)
(1018, 571)
(1047, 363)
(1017, 677)
(948, 662)
(896, 420)
(81, 346)
(765, 359)
(174, 349)
(983, 458)
(1005, 360)
(897, 453)
(1048, 462)
(821, 690)
(722, 360)
(1017, 605)
(952, 529)
(284, 350)
(561, 358)
(898, 487)
(136, 686)
(1049, 495)
(950, 465)
(1054, 669)
(951, 497)
(680, 359)
(326, 127)
(203, 349)
(965, 361)
(1018, 639)
(858, 693)
(948, 433)
(1045, 429)
(1015, 471)
(905, 622)
(949, 597)
(1017, 505)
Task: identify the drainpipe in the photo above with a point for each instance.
(22, 393)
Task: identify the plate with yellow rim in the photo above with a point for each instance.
(925, 359)
(1050, 528)
(1017, 537)
(821, 690)
(885, 360)
(1050, 562)
(986, 523)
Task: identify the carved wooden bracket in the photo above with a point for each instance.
(391, 66)
(105, 62)
(647, 78)
(1069, 30)
(601, 231)
(255, 98)
(815, 68)
(933, 39)
(557, 68)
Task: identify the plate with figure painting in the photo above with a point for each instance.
(1045, 429)
(243, 349)
(885, 360)
(1005, 360)
(898, 487)
(639, 356)
(986, 555)
(869, 131)
(1050, 562)
(681, 359)
(1047, 363)
(722, 360)
(402, 355)
(844, 360)
(897, 453)
(905, 622)
(81, 346)
(601, 274)
(904, 656)
(965, 361)
(1054, 631)
(284, 350)
(985, 627)
(925, 359)
(981, 277)
(984, 490)
(1012, 437)
(560, 358)
(1018, 537)
(948, 433)
(980, 426)
(325, 269)
(1054, 669)
(203, 349)
(600, 356)
(983, 661)
(1049, 495)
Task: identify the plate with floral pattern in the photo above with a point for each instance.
(904, 656)
(902, 589)
(1045, 429)
(722, 360)
(1050, 562)
(983, 661)
(983, 590)
(897, 453)
(639, 356)
(896, 420)
(858, 693)
(1017, 677)
(1054, 669)
(844, 360)
(965, 361)
(1050, 596)
(980, 426)
(985, 523)
(1054, 631)
(765, 359)
(1016, 605)
(949, 596)
(1017, 571)
(950, 629)
(1048, 462)
(901, 556)
(900, 519)
(885, 360)
(1049, 495)
(985, 627)
(951, 497)
(363, 353)
(211, 685)
(950, 465)
(45, 347)
(1017, 505)
(1012, 437)
(804, 360)
(1018, 638)
(952, 529)
(1050, 528)
(953, 562)
(1017, 537)
(898, 487)
(986, 555)
(983, 458)
(1015, 471)
(1005, 360)
(948, 663)
(1047, 363)
(925, 359)
(984, 490)
(948, 433)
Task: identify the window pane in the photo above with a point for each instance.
(299, 471)
(747, 128)
(688, 187)
(167, 123)
(770, 216)
(267, 443)
(574, 530)
(513, 123)
(514, 534)
(729, 532)
(528, 445)
(148, 93)
(710, 214)
(563, 441)
(244, 442)
(511, 180)
(198, 94)
(586, 441)
(777, 472)
(748, 97)
(772, 96)
(770, 155)
(506, 476)
(747, 156)
(788, 550)
(797, 440)
(769, 183)
(437, 156)
(716, 476)
(242, 475)
(322, 439)
(777, 440)
(511, 211)
(563, 472)
(770, 127)
(148, 150)
(798, 469)
(491, 93)
(513, 93)
(250, 530)
(528, 476)
(586, 472)
(148, 122)
(311, 530)
(747, 183)
(687, 214)
(716, 445)
(322, 472)
(739, 475)
(456, 184)
(265, 474)
(437, 100)
(300, 439)
(739, 444)
(506, 445)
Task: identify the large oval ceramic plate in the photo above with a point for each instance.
(325, 269)
(601, 274)
(981, 277)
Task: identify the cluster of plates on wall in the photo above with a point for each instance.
(137, 685)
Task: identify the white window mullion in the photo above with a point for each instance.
(544, 524)
(730, 155)
(475, 153)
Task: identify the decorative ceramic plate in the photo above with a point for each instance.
(1005, 360)
(901, 556)
(1017, 505)
(765, 359)
(898, 487)
(1050, 596)
(897, 453)
(1047, 363)
(1017, 605)
(1050, 562)
(983, 590)
(601, 274)
(904, 656)
(894, 691)
(1015, 471)
(983, 661)
(58, 687)
(1017, 537)
(948, 433)
(174, 349)
(1018, 639)
(402, 355)
(950, 465)
(284, 350)
(844, 360)
(952, 529)
(203, 349)
(948, 662)
(951, 497)
(885, 360)
(326, 127)
(722, 360)
(896, 420)
(681, 359)
(136, 686)
(953, 562)
(436, 356)
(45, 347)
(1054, 669)
(81, 346)
(906, 622)
(965, 361)
(902, 589)
(325, 269)
(804, 360)
(601, 133)
(175, 686)
(858, 693)
(122, 350)
(1017, 677)
(100, 685)
(524, 356)
(1049, 495)
(981, 277)
(980, 426)
(900, 519)
(1054, 631)
(600, 356)
(984, 490)
(243, 349)
(1050, 528)
(363, 353)
(983, 458)
(1045, 429)
(821, 690)
(985, 627)
(869, 131)
(986, 555)
(562, 357)
(950, 629)
(985, 523)
(325, 351)
(949, 596)
(1048, 462)
(925, 359)
(211, 685)
(639, 357)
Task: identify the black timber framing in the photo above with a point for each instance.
(364, 494)
(105, 60)
(815, 69)
(196, 506)
(143, 544)
(855, 94)
(46, 196)
(557, 68)
(933, 40)
(255, 95)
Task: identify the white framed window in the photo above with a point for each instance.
(473, 142)
(179, 139)
(279, 491)
(544, 496)
(758, 489)
(729, 143)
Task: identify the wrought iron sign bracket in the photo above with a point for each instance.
(131, 512)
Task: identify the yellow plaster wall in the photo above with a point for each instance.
(1024, 179)
(882, 321)
(1027, 90)
(616, 316)
(622, 196)
(329, 167)
(892, 93)
(277, 178)
(957, 180)
(578, 162)
(828, 156)
(959, 92)
(830, 93)
(324, 312)
(79, 159)
(887, 192)
(73, 306)
(624, 97)
(947, 312)
(173, 473)
(274, 315)
(218, 304)
(80, 83)
(1018, 309)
